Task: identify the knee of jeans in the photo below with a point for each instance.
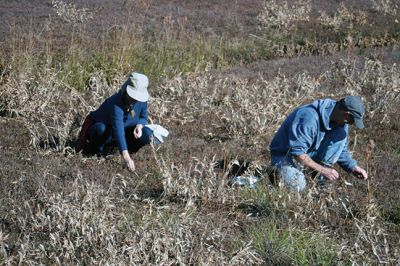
(98, 129)
(293, 178)
(146, 135)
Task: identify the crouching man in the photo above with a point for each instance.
(315, 136)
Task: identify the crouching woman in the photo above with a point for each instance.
(120, 119)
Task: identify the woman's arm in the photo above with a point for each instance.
(143, 116)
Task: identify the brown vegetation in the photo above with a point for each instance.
(224, 75)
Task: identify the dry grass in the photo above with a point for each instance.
(377, 81)
(386, 6)
(283, 16)
(84, 223)
(95, 213)
(50, 110)
(344, 18)
(70, 13)
(88, 224)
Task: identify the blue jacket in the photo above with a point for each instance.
(304, 129)
(112, 112)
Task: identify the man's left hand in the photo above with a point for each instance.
(359, 172)
(138, 131)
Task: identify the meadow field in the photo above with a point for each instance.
(223, 76)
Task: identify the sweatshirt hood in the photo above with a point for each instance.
(324, 108)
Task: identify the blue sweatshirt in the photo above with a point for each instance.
(304, 129)
(112, 112)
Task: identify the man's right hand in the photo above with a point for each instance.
(330, 173)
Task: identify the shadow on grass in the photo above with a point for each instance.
(392, 215)
(256, 209)
(156, 193)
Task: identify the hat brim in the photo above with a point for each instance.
(358, 122)
(141, 96)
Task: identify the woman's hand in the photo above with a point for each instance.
(128, 161)
(137, 133)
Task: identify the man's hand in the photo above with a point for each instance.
(330, 173)
(137, 133)
(128, 161)
(359, 173)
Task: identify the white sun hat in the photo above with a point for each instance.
(137, 87)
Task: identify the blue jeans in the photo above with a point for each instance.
(100, 135)
(291, 172)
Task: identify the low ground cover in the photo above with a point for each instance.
(222, 96)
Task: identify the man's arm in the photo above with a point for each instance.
(348, 163)
(301, 136)
(306, 160)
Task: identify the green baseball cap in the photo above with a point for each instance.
(355, 106)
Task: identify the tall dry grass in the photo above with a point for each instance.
(88, 215)
(50, 111)
(89, 224)
(197, 219)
